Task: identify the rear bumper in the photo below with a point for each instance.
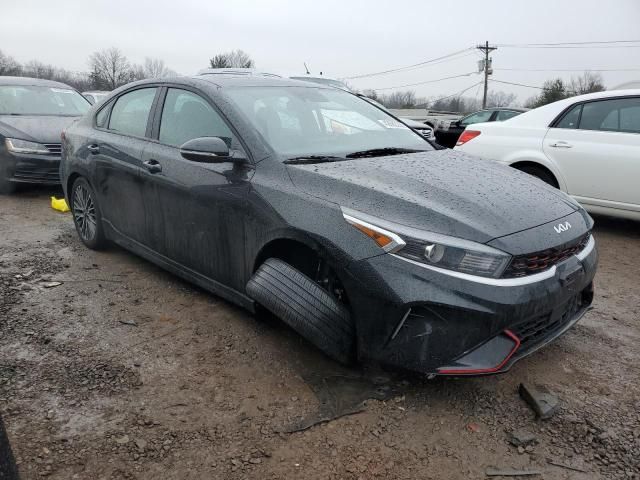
(426, 321)
(42, 169)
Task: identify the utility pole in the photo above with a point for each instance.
(487, 69)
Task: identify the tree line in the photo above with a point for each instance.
(110, 69)
(551, 91)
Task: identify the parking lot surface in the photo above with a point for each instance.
(111, 368)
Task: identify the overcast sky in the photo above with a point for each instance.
(342, 38)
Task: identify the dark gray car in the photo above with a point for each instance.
(33, 113)
(336, 217)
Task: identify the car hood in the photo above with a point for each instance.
(36, 128)
(414, 123)
(439, 191)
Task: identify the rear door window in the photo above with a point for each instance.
(505, 115)
(130, 114)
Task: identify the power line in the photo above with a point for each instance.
(425, 82)
(518, 84)
(606, 42)
(570, 46)
(457, 93)
(529, 86)
(426, 62)
(570, 69)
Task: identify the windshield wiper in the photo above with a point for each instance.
(305, 159)
(381, 152)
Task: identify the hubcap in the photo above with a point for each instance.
(84, 213)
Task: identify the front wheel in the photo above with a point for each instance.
(306, 307)
(86, 214)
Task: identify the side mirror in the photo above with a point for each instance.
(207, 150)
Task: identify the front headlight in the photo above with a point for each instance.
(456, 254)
(431, 249)
(15, 145)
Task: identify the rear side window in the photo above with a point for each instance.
(186, 116)
(130, 113)
(619, 115)
(571, 118)
(477, 117)
(505, 115)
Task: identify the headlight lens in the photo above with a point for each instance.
(481, 260)
(431, 249)
(15, 145)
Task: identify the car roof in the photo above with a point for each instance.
(34, 82)
(223, 81)
(545, 114)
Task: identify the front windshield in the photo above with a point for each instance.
(34, 100)
(299, 121)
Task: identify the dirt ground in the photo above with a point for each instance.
(124, 371)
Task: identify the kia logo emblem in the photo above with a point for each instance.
(562, 227)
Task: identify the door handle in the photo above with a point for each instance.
(153, 166)
(94, 149)
(560, 144)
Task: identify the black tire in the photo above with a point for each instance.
(86, 214)
(540, 173)
(306, 307)
(6, 187)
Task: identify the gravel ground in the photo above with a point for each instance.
(123, 371)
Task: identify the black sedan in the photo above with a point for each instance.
(448, 132)
(33, 113)
(334, 216)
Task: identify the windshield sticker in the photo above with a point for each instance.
(392, 123)
(61, 90)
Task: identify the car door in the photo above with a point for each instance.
(119, 139)
(198, 216)
(596, 146)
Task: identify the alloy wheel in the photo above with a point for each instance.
(84, 212)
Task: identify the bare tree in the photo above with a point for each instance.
(8, 65)
(110, 69)
(372, 94)
(406, 99)
(500, 99)
(588, 82)
(37, 69)
(156, 68)
(232, 59)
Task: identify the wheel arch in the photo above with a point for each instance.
(289, 247)
(528, 163)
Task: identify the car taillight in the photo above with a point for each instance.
(466, 136)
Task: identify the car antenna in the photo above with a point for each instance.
(306, 68)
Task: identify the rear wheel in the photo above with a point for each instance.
(303, 304)
(543, 174)
(86, 214)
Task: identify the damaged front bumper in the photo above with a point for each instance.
(430, 322)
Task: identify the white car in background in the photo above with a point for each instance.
(587, 146)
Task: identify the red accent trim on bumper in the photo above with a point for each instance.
(463, 371)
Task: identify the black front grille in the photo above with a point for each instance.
(537, 262)
(533, 331)
(33, 173)
(54, 148)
